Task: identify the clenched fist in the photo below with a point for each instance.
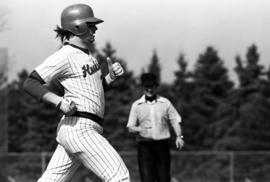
(67, 106)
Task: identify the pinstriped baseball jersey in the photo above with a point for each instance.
(80, 140)
(80, 75)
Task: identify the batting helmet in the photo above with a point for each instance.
(75, 17)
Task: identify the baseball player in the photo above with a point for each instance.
(79, 130)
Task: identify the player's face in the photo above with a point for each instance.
(150, 90)
(89, 38)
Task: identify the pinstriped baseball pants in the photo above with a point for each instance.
(80, 142)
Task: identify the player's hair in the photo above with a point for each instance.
(62, 34)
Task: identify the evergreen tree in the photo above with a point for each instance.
(250, 107)
(182, 88)
(3, 77)
(212, 87)
(215, 114)
(182, 75)
(17, 117)
(32, 125)
(154, 66)
(3, 105)
(225, 129)
(251, 73)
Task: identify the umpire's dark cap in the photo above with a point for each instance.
(149, 80)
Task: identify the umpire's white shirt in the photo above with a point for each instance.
(154, 115)
(80, 75)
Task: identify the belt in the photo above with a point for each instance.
(89, 115)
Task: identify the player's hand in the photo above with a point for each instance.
(179, 142)
(67, 106)
(115, 69)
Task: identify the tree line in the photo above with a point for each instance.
(216, 113)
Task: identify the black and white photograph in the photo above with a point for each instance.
(135, 91)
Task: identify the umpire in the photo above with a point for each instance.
(149, 119)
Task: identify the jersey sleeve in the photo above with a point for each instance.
(54, 66)
(33, 85)
(132, 119)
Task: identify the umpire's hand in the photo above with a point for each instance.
(179, 142)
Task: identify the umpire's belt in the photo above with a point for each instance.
(89, 115)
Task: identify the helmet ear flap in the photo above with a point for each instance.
(80, 29)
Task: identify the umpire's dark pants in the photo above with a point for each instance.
(154, 161)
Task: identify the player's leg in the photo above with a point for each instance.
(99, 156)
(85, 142)
(82, 137)
(61, 167)
(146, 162)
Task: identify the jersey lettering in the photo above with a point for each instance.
(87, 69)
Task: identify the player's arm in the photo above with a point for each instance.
(115, 70)
(105, 85)
(34, 86)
